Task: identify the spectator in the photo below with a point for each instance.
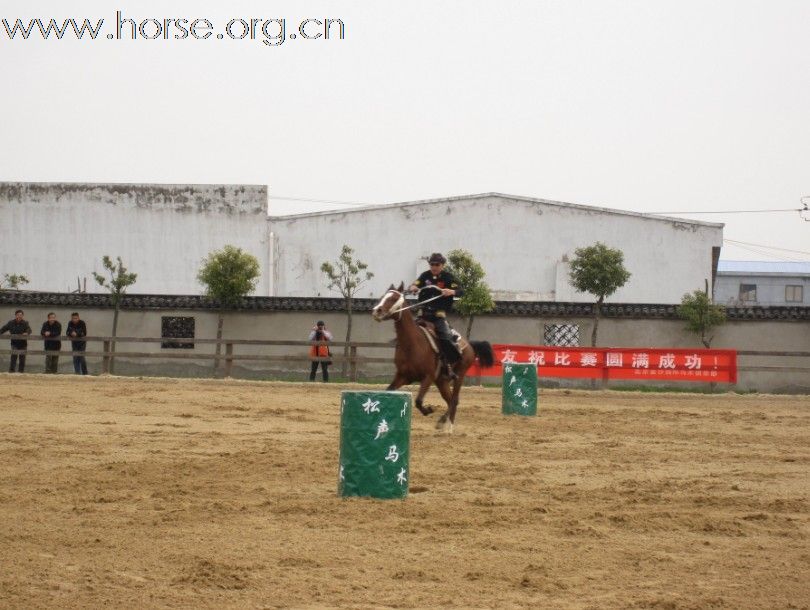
(52, 328)
(323, 336)
(77, 328)
(18, 326)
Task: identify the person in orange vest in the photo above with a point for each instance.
(323, 336)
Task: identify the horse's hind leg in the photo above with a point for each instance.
(423, 388)
(398, 382)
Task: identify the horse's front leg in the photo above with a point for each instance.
(452, 405)
(451, 398)
(423, 388)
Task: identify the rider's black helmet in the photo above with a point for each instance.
(437, 257)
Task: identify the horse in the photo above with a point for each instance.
(416, 360)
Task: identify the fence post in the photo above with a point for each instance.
(353, 363)
(105, 360)
(228, 359)
(217, 358)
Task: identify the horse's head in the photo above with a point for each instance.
(390, 303)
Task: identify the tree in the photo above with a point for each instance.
(346, 275)
(470, 275)
(13, 281)
(701, 314)
(117, 284)
(600, 271)
(228, 275)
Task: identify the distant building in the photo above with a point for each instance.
(524, 245)
(55, 233)
(763, 283)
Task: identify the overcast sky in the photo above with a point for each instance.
(645, 106)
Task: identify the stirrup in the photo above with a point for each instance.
(451, 374)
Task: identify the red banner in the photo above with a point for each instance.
(637, 363)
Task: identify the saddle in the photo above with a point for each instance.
(430, 332)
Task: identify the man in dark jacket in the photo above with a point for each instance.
(77, 328)
(52, 328)
(436, 311)
(18, 326)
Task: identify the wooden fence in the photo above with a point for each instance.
(109, 353)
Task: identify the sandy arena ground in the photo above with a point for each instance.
(184, 493)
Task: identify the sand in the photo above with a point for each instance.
(127, 492)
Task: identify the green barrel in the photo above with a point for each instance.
(519, 389)
(375, 436)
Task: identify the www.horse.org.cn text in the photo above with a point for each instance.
(270, 32)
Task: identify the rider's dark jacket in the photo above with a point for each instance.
(443, 306)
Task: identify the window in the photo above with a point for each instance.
(176, 328)
(794, 294)
(748, 293)
(562, 335)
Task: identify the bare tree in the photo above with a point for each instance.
(117, 282)
(346, 275)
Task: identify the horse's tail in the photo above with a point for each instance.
(484, 352)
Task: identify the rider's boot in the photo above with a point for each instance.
(449, 355)
(449, 365)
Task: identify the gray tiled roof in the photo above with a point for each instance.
(540, 309)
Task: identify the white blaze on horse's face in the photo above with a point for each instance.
(390, 303)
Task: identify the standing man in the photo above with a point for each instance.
(77, 328)
(436, 311)
(322, 336)
(52, 328)
(18, 326)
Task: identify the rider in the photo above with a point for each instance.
(436, 311)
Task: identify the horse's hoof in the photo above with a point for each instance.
(442, 425)
(428, 410)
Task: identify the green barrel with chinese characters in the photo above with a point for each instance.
(519, 389)
(375, 436)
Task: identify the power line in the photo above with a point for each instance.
(759, 252)
(732, 211)
(748, 243)
(764, 252)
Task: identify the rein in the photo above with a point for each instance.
(399, 310)
(420, 303)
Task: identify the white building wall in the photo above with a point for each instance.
(54, 232)
(521, 243)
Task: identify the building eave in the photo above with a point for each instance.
(536, 309)
(535, 200)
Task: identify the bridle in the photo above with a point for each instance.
(396, 308)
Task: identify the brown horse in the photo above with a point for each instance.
(416, 360)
